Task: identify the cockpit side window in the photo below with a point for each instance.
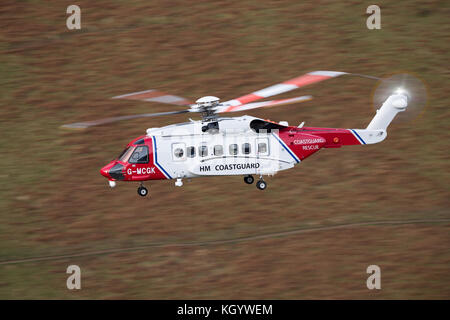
(123, 152)
(125, 155)
(140, 141)
(140, 155)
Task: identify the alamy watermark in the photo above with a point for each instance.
(73, 22)
(74, 280)
(374, 280)
(374, 20)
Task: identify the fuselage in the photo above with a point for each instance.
(237, 146)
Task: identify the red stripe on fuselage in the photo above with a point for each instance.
(301, 144)
(335, 137)
(308, 140)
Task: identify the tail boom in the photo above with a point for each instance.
(375, 131)
(336, 137)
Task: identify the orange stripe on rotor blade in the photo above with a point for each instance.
(229, 109)
(306, 79)
(248, 98)
(243, 100)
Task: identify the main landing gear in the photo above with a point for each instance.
(142, 191)
(249, 179)
(261, 184)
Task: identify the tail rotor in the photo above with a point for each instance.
(407, 85)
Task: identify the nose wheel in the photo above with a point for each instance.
(249, 179)
(142, 191)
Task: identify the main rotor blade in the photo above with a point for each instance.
(155, 96)
(264, 104)
(286, 86)
(84, 125)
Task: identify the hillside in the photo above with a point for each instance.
(184, 242)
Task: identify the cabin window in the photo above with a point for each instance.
(203, 151)
(190, 152)
(140, 155)
(218, 150)
(178, 152)
(262, 147)
(246, 148)
(233, 149)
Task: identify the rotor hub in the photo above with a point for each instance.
(207, 102)
(207, 107)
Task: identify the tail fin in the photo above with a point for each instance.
(396, 103)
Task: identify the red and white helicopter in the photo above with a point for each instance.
(246, 145)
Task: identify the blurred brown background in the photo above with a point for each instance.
(54, 202)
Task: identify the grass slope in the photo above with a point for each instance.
(53, 200)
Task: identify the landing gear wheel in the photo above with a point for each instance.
(249, 179)
(142, 191)
(261, 185)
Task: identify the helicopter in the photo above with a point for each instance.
(226, 146)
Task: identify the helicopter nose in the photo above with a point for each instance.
(105, 172)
